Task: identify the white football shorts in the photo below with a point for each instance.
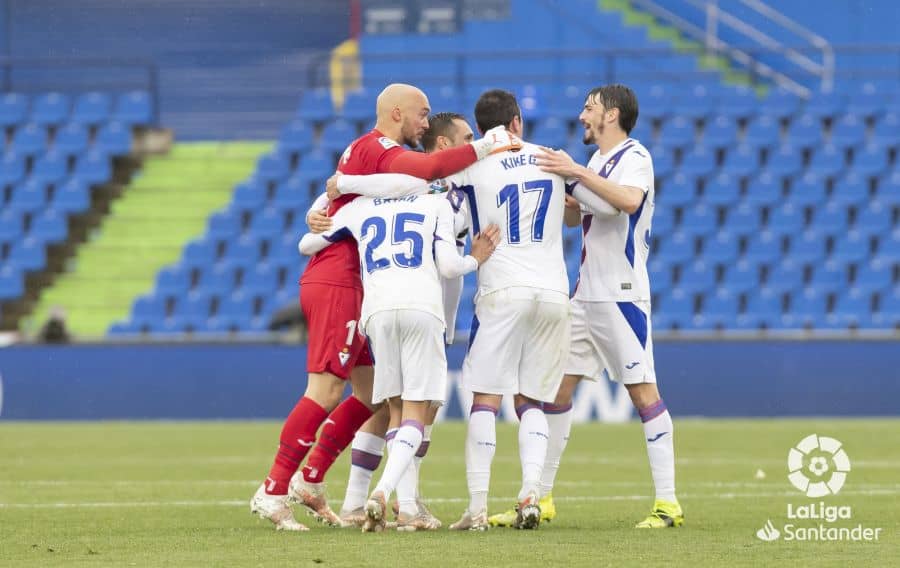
(518, 343)
(410, 362)
(612, 336)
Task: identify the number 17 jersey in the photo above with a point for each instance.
(509, 189)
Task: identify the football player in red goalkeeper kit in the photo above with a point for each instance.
(331, 299)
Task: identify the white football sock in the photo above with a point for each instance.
(420, 455)
(658, 432)
(481, 443)
(400, 455)
(365, 457)
(532, 446)
(559, 422)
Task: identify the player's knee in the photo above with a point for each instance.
(326, 389)
(567, 390)
(643, 394)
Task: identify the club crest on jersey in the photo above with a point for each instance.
(438, 186)
(387, 143)
(609, 166)
(344, 356)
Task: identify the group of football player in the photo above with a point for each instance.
(383, 285)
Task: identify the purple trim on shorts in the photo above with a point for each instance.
(520, 410)
(423, 449)
(652, 411)
(390, 434)
(556, 408)
(365, 460)
(415, 424)
(483, 408)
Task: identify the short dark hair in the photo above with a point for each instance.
(620, 97)
(495, 108)
(439, 124)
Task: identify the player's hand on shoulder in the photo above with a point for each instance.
(485, 242)
(318, 221)
(497, 139)
(556, 162)
(331, 186)
(572, 203)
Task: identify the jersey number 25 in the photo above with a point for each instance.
(401, 236)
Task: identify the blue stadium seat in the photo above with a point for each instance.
(91, 109)
(785, 161)
(808, 248)
(12, 168)
(93, 168)
(720, 132)
(293, 194)
(851, 247)
(763, 132)
(337, 135)
(642, 132)
(677, 309)
(785, 277)
(50, 109)
(28, 254)
(317, 163)
(243, 251)
(663, 223)
(849, 130)
(740, 277)
(875, 276)
(699, 161)
(50, 227)
(679, 247)
(853, 308)
(660, 276)
(678, 191)
(218, 280)
(871, 160)
(12, 282)
(200, 252)
(262, 281)
(237, 306)
(195, 308)
(809, 191)
(785, 219)
(697, 103)
(829, 277)
(273, 167)
(268, 224)
(29, 197)
(72, 197)
(850, 190)
(743, 220)
(71, 139)
(741, 161)
(134, 108)
(173, 281)
(698, 278)
(663, 161)
(677, 132)
(889, 189)
(720, 309)
(126, 327)
(12, 226)
(223, 225)
(763, 248)
(699, 220)
(874, 219)
(551, 132)
(29, 140)
(249, 195)
(722, 190)
(804, 131)
(149, 307)
(888, 313)
(825, 105)
(830, 219)
(296, 138)
(782, 103)
(828, 160)
(13, 109)
(738, 102)
(764, 309)
(114, 139)
(885, 132)
(807, 309)
(764, 190)
(721, 248)
(316, 106)
(50, 169)
(359, 105)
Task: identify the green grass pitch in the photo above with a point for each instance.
(176, 494)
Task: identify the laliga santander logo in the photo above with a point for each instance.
(818, 466)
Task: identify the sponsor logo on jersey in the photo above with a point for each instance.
(387, 143)
(438, 186)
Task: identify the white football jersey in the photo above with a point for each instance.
(615, 247)
(508, 189)
(404, 245)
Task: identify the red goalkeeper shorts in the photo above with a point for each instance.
(332, 316)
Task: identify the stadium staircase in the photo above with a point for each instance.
(166, 205)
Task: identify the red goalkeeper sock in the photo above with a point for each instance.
(336, 435)
(297, 437)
